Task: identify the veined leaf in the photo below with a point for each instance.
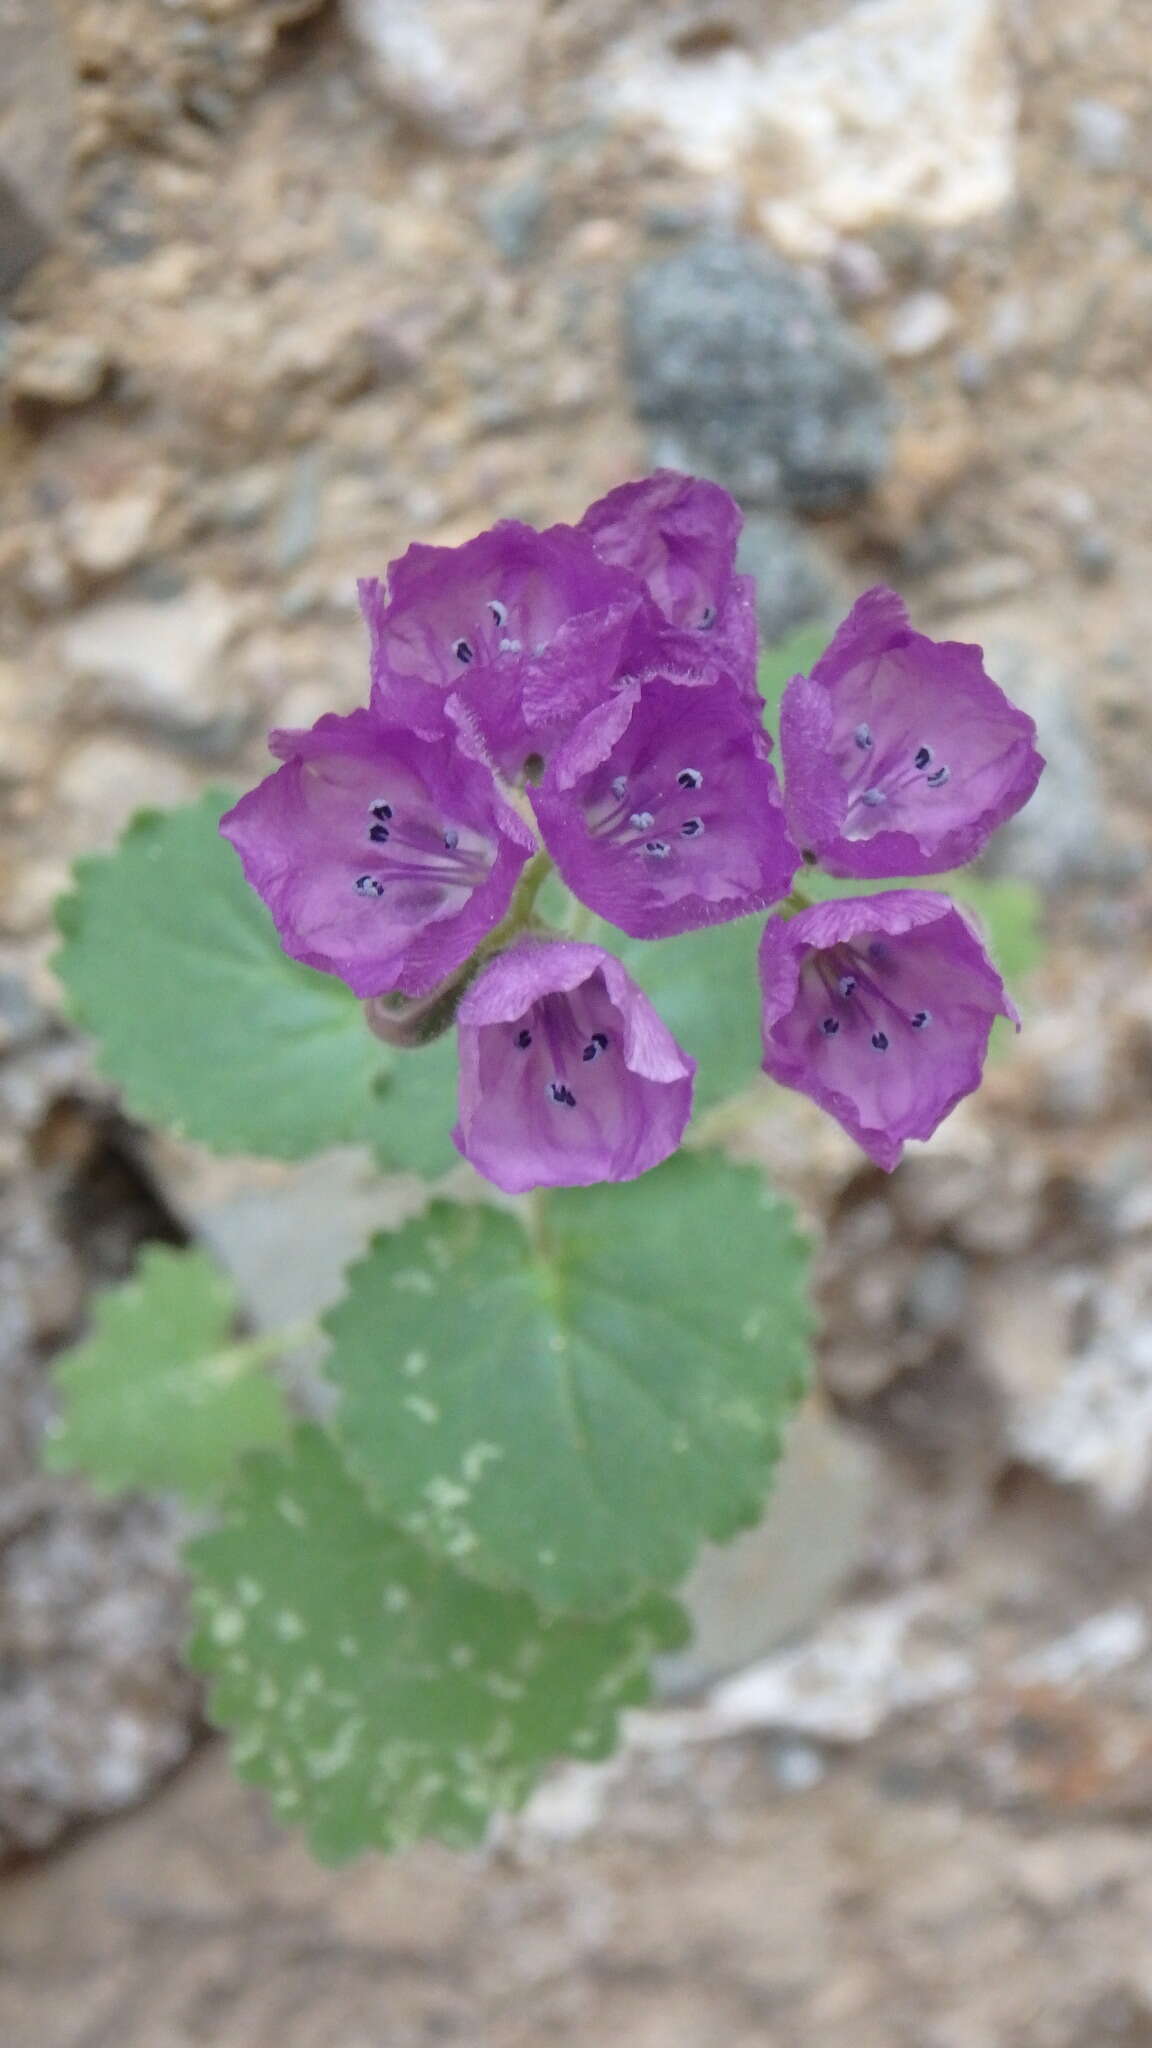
(379, 1696)
(161, 1396)
(575, 1420)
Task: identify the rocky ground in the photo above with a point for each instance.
(316, 289)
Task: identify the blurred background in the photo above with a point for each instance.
(283, 286)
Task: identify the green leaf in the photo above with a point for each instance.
(1009, 910)
(172, 962)
(380, 1696)
(415, 1109)
(576, 1424)
(791, 657)
(706, 987)
(159, 1396)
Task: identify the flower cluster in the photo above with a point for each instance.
(586, 698)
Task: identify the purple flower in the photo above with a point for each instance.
(516, 633)
(880, 1009)
(678, 534)
(901, 756)
(383, 853)
(567, 1075)
(662, 810)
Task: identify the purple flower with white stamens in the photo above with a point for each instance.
(662, 810)
(678, 534)
(880, 1009)
(567, 1075)
(901, 755)
(383, 852)
(516, 633)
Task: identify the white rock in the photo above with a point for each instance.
(919, 324)
(57, 369)
(1094, 1429)
(1103, 1644)
(106, 535)
(156, 661)
(863, 1665)
(1102, 134)
(456, 67)
(902, 109)
(861, 1668)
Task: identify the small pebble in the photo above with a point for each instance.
(1102, 135)
(919, 325)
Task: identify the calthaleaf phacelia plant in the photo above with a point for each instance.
(512, 909)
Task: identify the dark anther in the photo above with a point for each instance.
(921, 1018)
(847, 984)
(830, 1026)
(462, 649)
(659, 848)
(708, 616)
(689, 778)
(451, 838)
(692, 828)
(499, 611)
(880, 1040)
(367, 885)
(559, 1093)
(597, 1044)
(524, 1039)
(380, 834)
(923, 756)
(382, 811)
(863, 737)
(938, 778)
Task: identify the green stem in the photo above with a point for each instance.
(537, 1222)
(241, 1359)
(408, 1023)
(794, 903)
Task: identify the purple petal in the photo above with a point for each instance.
(901, 755)
(515, 632)
(567, 1075)
(678, 534)
(662, 811)
(880, 1009)
(383, 853)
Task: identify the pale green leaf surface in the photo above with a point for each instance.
(706, 986)
(412, 1116)
(794, 656)
(577, 1424)
(379, 1696)
(172, 962)
(1008, 910)
(158, 1397)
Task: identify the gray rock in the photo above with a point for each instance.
(95, 1703)
(35, 134)
(446, 67)
(745, 369)
(513, 216)
(1102, 136)
(793, 585)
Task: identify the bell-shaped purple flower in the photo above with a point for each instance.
(567, 1075)
(901, 755)
(516, 633)
(383, 852)
(880, 1009)
(678, 534)
(663, 812)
